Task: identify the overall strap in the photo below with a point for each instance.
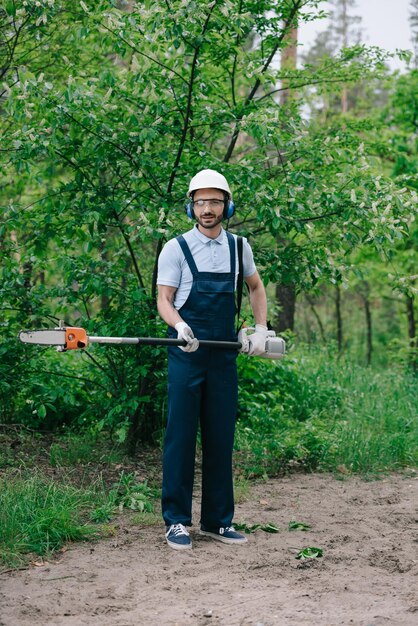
(240, 282)
(189, 258)
(231, 243)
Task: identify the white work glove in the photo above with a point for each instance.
(185, 332)
(243, 339)
(258, 340)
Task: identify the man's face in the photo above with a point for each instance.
(210, 214)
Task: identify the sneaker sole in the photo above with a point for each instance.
(223, 539)
(179, 546)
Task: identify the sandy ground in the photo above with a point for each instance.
(367, 575)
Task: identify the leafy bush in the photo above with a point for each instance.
(104, 388)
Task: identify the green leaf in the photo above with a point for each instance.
(268, 528)
(309, 553)
(10, 7)
(298, 526)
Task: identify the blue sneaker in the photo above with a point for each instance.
(226, 535)
(178, 537)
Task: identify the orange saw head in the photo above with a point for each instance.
(75, 338)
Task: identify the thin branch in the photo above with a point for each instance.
(176, 99)
(257, 83)
(97, 364)
(51, 195)
(154, 186)
(317, 217)
(147, 56)
(129, 246)
(75, 166)
(307, 84)
(188, 113)
(234, 65)
(82, 378)
(12, 50)
(155, 269)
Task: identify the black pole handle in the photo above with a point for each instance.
(166, 341)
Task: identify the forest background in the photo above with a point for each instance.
(106, 111)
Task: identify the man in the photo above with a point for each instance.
(197, 276)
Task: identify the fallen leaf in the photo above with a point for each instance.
(298, 526)
(309, 553)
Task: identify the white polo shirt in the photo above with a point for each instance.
(210, 255)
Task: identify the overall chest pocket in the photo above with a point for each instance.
(215, 286)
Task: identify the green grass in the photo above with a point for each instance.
(24, 447)
(318, 413)
(75, 449)
(146, 519)
(378, 430)
(241, 489)
(38, 516)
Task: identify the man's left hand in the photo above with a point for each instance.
(258, 340)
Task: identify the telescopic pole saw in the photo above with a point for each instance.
(75, 338)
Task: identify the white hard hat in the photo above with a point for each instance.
(209, 178)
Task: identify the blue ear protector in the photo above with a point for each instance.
(229, 210)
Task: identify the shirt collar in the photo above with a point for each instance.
(219, 239)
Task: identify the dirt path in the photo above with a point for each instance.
(367, 576)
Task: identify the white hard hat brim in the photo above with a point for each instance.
(206, 179)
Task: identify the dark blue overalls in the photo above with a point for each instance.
(202, 385)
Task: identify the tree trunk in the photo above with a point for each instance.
(339, 319)
(369, 330)
(286, 299)
(286, 294)
(316, 316)
(412, 332)
(288, 62)
(344, 93)
(140, 427)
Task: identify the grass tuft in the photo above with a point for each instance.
(39, 517)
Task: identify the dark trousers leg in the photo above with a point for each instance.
(218, 415)
(184, 399)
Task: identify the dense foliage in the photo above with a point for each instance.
(106, 110)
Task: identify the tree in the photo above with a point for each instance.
(401, 117)
(285, 292)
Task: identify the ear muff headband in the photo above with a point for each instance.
(229, 210)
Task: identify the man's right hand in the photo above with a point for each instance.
(185, 332)
(243, 339)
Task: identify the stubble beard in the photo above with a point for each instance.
(217, 221)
